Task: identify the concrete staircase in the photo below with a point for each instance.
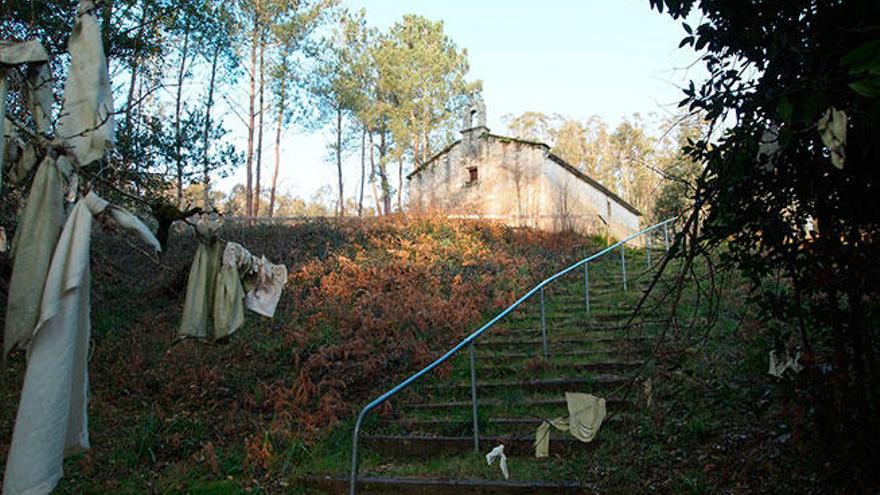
(426, 444)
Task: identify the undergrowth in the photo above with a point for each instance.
(366, 304)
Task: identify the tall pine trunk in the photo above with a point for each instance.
(363, 172)
(281, 104)
(252, 94)
(383, 173)
(400, 186)
(341, 210)
(376, 196)
(259, 163)
(178, 104)
(206, 136)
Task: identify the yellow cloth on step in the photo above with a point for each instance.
(585, 415)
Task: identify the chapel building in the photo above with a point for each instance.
(517, 182)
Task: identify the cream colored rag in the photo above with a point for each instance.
(585, 415)
(86, 120)
(778, 366)
(498, 453)
(52, 420)
(270, 280)
(229, 293)
(832, 128)
(201, 283)
(32, 248)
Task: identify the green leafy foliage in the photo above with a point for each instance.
(804, 230)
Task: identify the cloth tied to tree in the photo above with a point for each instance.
(779, 364)
(269, 281)
(229, 293)
(225, 285)
(585, 415)
(86, 121)
(38, 85)
(201, 282)
(832, 128)
(32, 249)
(52, 420)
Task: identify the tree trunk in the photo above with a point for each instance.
(281, 104)
(206, 137)
(363, 172)
(400, 186)
(133, 66)
(341, 210)
(178, 138)
(373, 177)
(383, 174)
(249, 157)
(257, 188)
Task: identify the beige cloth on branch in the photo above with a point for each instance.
(585, 415)
(832, 129)
(52, 420)
(32, 248)
(26, 52)
(229, 293)
(218, 284)
(269, 281)
(779, 364)
(86, 121)
(39, 84)
(201, 283)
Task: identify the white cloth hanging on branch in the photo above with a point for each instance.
(241, 280)
(52, 418)
(38, 84)
(86, 120)
(269, 281)
(32, 249)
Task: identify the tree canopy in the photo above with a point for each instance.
(789, 190)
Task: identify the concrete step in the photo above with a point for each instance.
(573, 315)
(556, 401)
(593, 383)
(566, 342)
(507, 425)
(607, 365)
(538, 353)
(372, 485)
(416, 446)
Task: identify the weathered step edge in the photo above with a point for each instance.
(415, 446)
(371, 485)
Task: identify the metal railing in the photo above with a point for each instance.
(469, 341)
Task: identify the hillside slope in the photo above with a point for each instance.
(366, 303)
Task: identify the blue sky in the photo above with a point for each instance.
(578, 58)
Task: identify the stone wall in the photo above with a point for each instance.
(517, 183)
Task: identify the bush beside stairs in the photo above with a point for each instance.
(425, 444)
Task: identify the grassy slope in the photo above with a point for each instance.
(173, 417)
(235, 416)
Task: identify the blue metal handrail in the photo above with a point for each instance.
(472, 337)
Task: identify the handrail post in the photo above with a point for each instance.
(352, 487)
(474, 405)
(666, 235)
(623, 263)
(543, 325)
(648, 248)
(587, 287)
